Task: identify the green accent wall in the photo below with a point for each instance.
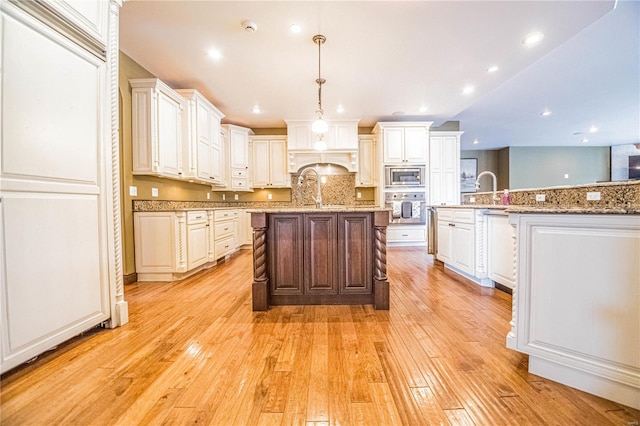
(540, 167)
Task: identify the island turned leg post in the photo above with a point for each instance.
(380, 282)
(260, 288)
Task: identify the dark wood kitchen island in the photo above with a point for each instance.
(320, 256)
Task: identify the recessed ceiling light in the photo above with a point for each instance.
(545, 113)
(214, 54)
(256, 110)
(295, 28)
(493, 68)
(593, 129)
(340, 109)
(532, 39)
(422, 109)
(476, 142)
(468, 90)
(585, 140)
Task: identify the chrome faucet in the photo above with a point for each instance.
(318, 197)
(495, 184)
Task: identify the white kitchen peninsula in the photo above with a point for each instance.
(576, 304)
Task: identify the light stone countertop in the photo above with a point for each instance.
(313, 209)
(546, 209)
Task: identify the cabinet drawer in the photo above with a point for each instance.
(394, 234)
(463, 215)
(445, 214)
(224, 246)
(224, 214)
(239, 183)
(239, 173)
(196, 217)
(223, 229)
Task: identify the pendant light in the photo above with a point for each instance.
(320, 126)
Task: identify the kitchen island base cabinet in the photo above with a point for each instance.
(319, 258)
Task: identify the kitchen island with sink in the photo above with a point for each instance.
(318, 256)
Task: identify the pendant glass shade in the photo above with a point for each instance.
(320, 126)
(320, 145)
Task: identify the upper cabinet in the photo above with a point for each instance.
(269, 167)
(403, 142)
(157, 128)
(202, 146)
(341, 136)
(238, 148)
(367, 161)
(444, 168)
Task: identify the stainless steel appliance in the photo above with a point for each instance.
(432, 230)
(406, 207)
(404, 177)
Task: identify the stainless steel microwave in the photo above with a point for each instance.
(402, 177)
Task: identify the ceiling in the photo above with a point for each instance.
(384, 60)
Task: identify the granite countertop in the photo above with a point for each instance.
(313, 209)
(547, 209)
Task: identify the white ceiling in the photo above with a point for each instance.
(387, 56)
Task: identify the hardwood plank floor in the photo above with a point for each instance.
(194, 352)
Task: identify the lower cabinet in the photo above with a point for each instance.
(320, 254)
(456, 239)
(173, 245)
(500, 249)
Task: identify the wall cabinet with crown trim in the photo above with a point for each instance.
(269, 167)
(202, 146)
(157, 129)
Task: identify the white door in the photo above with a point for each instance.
(169, 136)
(204, 136)
(464, 247)
(197, 245)
(445, 242)
(261, 156)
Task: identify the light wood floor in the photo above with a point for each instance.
(194, 352)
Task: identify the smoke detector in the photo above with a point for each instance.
(249, 26)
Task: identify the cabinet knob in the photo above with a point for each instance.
(452, 224)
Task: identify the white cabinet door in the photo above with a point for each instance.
(204, 137)
(415, 145)
(366, 175)
(260, 166)
(169, 136)
(501, 250)
(197, 245)
(239, 148)
(270, 162)
(464, 247)
(393, 146)
(444, 168)
(278, 163)
(445, 242)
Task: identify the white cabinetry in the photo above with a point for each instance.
(500, 249)
(341, 136)
(59, 186)
(226, 223)
(197, 239)
(202, 145)
(406, 235)
(245, 231)
(160, 245)
(269, 154)
(444, 168)
(575, 308)
(238, 148)
(403, 142)
(367, 161)
(157, 128)
(456, 239)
